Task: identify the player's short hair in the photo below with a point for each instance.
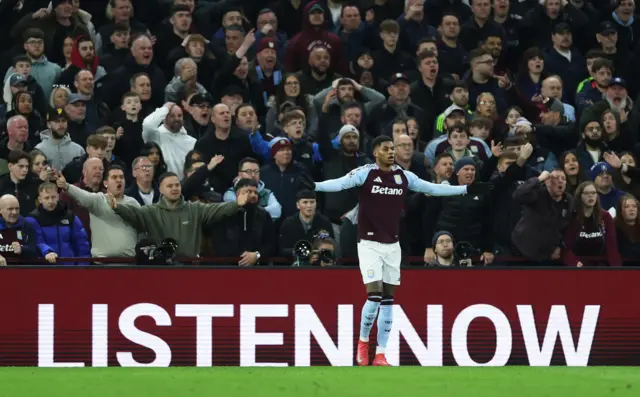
(17, 155)
(379, 140)
(306, 194)
(166, 175)
(246, 160)
(113, 167)
(457, 127)
(47, 186)
(245, 182)
(97, 141)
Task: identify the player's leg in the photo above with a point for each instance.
(371, 269)
(391, 279)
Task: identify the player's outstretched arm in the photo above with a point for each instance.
(352, 179)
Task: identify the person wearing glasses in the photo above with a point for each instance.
(249, 168)
(143, 190)
(591, 231)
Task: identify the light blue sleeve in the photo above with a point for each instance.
(352, 179)
(430, 150)
(434, 189)
(229, 195)
(273, 207)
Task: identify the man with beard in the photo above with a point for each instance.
(141, 60)
(346, 90)
(197, 120)
(265, 69)
(110, 236)
(56, 144)
(592, 147)
(468, 217)
(429, 93)
(337, 163)
(83, 56)
(165, 127)
(46, 73)
(174, 217)
(601, 70)
(443, 249)
(565, 60)
(459, 97)
(227, 141)
(318, 74)
(617, 99)
(314, 32)
(399, 103)
(186, 78)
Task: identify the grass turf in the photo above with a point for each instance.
(320, 381)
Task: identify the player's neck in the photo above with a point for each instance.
(384, 167)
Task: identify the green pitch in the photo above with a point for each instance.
(320, 381)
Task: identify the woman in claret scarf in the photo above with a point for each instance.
(591, 232)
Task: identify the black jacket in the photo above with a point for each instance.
(234, 148)
(198, 188)
(432, 102)
(292, 231)
(283, 184)
(133, 192)
(117, 84)
(129, 145)
(72, 172)
(249, 230)
(26, 191)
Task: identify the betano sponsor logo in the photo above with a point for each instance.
(308, 325)
(387, 190)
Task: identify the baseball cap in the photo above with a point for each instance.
(617, 81)
(316, 8)
(398, 77)
(199, 99)
(17, 79)
(55, 114)
(73, 98)
(600, 168)
(606, 27)
(562, 27)
(267, 42)
(451, 109)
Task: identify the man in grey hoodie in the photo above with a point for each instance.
(56, 143)
(174, 217)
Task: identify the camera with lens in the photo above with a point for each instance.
(149, 253)
(316, 254)
(463, 252)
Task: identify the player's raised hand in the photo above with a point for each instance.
(479, 188)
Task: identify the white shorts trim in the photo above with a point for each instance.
(379, 262)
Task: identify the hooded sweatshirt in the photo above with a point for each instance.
(59, 153)
(77, 64)
(184, 223)
(110, 235)
(44, 72)
(300, 46)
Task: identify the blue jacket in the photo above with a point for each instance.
(572, 73)
(25, 234)
(284, 185)
(61, 232)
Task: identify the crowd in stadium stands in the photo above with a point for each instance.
(122, 120)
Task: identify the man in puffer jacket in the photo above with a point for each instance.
(59, 233)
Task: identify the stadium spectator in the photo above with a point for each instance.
(323, 251)
(625, 175)
(92, 176)
(289, 92)
(186, 78)
(83, 57)
(628, 227)
(591, 231)
(110, 236)
(20, 182)
(443, 249)
(197, 186)
(165, 127)
(249, 168)
(22, 64)
(59, 233)
(152, 151)
(56, 143)
(565, 60)
(602, 175)
(573, 170)
(546, 212)
(429, 93)
(174, 217)
(17, 237)
(143, 190)
(197, 115)
(17, 136)
(96, 146)
(390, 59)
(319, 73)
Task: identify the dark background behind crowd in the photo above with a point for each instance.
(122, 121)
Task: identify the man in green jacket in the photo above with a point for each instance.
(174, 217)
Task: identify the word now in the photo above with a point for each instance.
(307, 324)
